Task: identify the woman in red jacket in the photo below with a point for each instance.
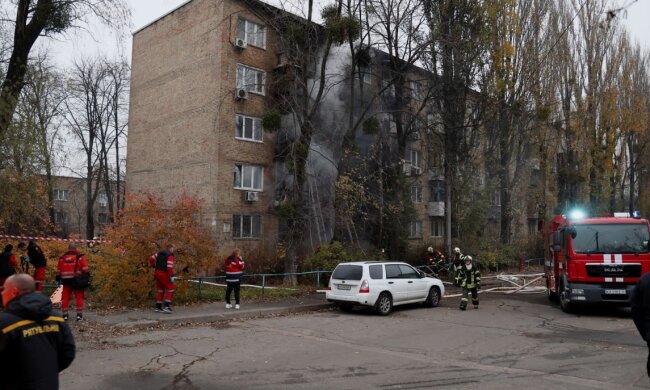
(234, 272)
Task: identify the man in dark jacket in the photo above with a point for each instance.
(35, 343)
(36, 258)
(640, 302)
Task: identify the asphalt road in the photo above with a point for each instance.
(511, 342)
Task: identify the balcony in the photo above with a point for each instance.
(436, 209)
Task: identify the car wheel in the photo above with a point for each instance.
(384, 304)
(433, 299)
(346, 307)
(565, 303)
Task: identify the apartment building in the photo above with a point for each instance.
(69, 205)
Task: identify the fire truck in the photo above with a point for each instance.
(595, 260)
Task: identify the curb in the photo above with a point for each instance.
(221, 316)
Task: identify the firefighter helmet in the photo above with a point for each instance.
(468, 259)
(430, 249)
(457, 249)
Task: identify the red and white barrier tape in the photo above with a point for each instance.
(52, 239)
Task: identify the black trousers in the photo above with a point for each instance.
(230, 287)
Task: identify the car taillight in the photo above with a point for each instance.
(365, 287)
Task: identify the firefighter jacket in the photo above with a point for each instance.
(640, 302)
(234, 269)
(35, 344)
(7, 264)
(165, 262)
(72, 263)
(459, 259)
(36, 256)
(470, 278)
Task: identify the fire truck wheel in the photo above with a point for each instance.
(565, 304)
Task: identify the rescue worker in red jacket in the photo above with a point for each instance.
(234, 272)
(8, 264)
(72, 263)
(164, 275)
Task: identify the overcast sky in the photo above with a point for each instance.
(65, 50)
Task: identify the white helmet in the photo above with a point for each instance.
(468, 259)
(430, 249)
(457, 249)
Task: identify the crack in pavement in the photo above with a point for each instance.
(182, 376)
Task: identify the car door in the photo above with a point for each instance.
(397, 285)
(416, 286)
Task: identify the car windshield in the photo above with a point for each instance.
(614, 238)
(348, 272)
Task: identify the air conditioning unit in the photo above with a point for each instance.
(241, 94)
(251, 196)
(407, 169)
(240, 43)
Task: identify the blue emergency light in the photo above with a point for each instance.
(577, 214)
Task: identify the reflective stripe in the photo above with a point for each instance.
(16, 325)
(54, 318)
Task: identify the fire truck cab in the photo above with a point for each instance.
(595, 260)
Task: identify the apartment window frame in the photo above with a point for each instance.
(438, 226)
(60, 218)
(246, 226)
(414, 157)
(415, 229)
(61, 194)
(251, 28)
(258, 87)
(103, 218)
(436, 190)
(496, 197)
(416, 193)
(256, 132)
(245, 174)
(102, 199)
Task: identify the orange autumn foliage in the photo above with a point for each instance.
(124, 277)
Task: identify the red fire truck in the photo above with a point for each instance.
(595, 260)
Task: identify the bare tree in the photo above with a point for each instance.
(38, 18)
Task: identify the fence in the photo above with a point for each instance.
(265, 280)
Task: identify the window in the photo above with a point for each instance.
(365, 74)
(413, 157)
(376, 271)
(388, 88)
(63, 195)
(532, 226)
(103, 218)
(102, 199)
(408, 272)
(253, 33)
(436, 191)
(60, 218)
(348, 272)
(393, 272)
(247, 226)
(416, 194)
(496, 197)
(416, 89)
(250, 79)
(415, 229)
(248, 177)
(437, 226)
(248, 128)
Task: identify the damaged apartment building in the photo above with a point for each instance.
(203, 78)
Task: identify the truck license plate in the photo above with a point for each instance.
(344, 287)
(615, 292)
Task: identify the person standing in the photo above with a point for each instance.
(7, 264)
(640, 302)
(35, 342)
(234, 273)
(164, 275)
(459, 259)
(36, 257)
(72, 264)
(470, 281)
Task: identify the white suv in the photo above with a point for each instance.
(382, 284)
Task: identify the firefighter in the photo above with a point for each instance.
(435, 258)
(470, 281)
(164, 275)
(459, 258)
(72, 264)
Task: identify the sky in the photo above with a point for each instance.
(99, 41)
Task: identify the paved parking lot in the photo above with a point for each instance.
(510, 342)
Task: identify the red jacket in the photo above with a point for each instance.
(234, 269)
(72, 263)
(164, 262)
